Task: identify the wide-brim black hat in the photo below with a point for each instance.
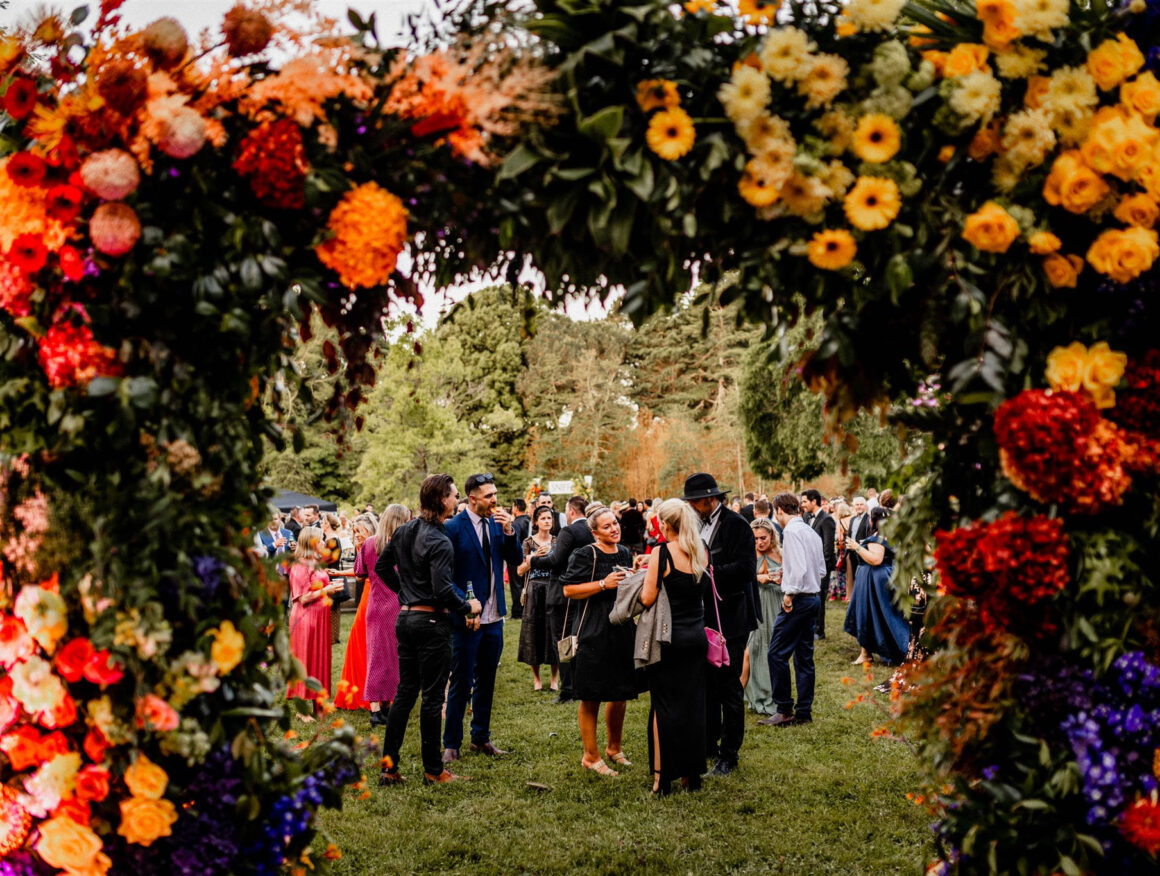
(702, 486)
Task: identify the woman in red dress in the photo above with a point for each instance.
(354, 666)
(310, 590)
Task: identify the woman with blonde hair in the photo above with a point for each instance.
(354, 665)
(382, 672)
(310, 590)
(604, 671)
(758, 685)
(676, 721)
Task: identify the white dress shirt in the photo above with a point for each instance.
(490, 609)
(803, 564)
(710, 526)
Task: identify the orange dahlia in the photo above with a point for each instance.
(368, 231)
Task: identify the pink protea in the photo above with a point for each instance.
(183, 133)
(111, 174)
(114, 228)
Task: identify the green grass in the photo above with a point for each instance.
(823, 798)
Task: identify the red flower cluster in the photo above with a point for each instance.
(274, 159)
(70, 356)
(1140, 825)
(15, 289)
(1056, 447)
(1137, 412)
(1007, 567)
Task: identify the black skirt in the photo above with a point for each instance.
(603, 670)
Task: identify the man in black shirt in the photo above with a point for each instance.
(632, 528)
(521, 523)
(422, 553)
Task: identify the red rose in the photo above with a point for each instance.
(71, 659)
(22, 746)
(9, 706)
(53, 744)
(62, 714)
(64, 202)
(26, 169)
(75, 809)
(20, 98)
(28, 253)
(92, 784)
(101, 668)
(95, 745)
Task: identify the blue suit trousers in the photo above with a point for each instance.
(474, 659)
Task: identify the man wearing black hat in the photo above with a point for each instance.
(733, 555)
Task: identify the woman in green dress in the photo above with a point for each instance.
(759, 688)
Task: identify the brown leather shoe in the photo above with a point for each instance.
(488, 749)
(443, 778)
(390, 777)
(450, 754)
(778, 720)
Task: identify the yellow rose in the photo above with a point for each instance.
(228, 647)
(1124, 254)
(1139, 210)
(1103, 369)
(1065, 367)
(1073, 185)
(938, 60)
(1119, 145)
(146, 779)
(69, 846)
(990, 228)
(1106, 64)
(1062, 270)
(1043, 243)
(967, 58)
(1142, 95)
(1149, 175)
(143, 820)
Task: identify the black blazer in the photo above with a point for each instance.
(859, 535)
(825, 526)
(733, 554)
(571, 538)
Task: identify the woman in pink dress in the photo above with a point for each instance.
(382, 678)
(350, 694)
(310, 590)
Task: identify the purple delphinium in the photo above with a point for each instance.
(209, 572)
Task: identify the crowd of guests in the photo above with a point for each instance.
(702, 602)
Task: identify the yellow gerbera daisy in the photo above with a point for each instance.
(873, 203)
(761, 182)
(654, 94)
(876, 138)
(831, 249)
(759, 11)
(671, 134)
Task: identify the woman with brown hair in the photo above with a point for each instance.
(536, 647)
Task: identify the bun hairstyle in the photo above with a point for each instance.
(877, 515)
(680, 517)
(539, 511)
(595, 511)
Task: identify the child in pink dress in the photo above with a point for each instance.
(310, 590)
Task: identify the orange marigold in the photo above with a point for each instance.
(369, 230)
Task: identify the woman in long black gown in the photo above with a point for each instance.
(603, 669)
(676, 739)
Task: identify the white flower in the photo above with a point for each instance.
(1070, 88)
(745, 95)
(1019, 61)
(825, 79)
(51, 783)
(1028, 137)
(1072, 125)
(35, 686)
(785, 53)
(874, 14)
(43, 613)
(976, 97)
(1040, 16)
(891, 64)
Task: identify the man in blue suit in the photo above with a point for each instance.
(483, 539)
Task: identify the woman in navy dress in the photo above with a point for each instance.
(872, 617)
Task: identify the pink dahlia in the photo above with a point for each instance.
(111, 174)
(183, 133)
(114, 228)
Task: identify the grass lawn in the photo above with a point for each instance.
(822, 798)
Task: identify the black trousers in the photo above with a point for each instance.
(516, 585)
(424, 665)
(725, 704)
(556, 633)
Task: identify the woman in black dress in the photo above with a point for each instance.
(603, 668)
(536, 648)
(676, 721)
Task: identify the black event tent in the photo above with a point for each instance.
(284, 500)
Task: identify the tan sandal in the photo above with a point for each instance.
(620, 759)
(601, 769)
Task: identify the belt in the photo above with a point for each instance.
(796, 595)
(427, 608)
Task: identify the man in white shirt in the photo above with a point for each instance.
(871, 499)
(803, 566)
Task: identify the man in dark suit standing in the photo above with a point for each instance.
(827, 528)
(733, 555)
(747, 509)
(521, 523)
(572, 537)
(859, 531)
(482, 538)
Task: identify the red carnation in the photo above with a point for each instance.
(95, 745)
(62, 714)
(1008, 567)
(71, 357)
(28, 253)
(64, 202)
(51, 745)
(1140, 825)
(20, 98)
(102, 669)
(273, 158)
(26, 169)
(71, 659)
(71, 263)
(1055, 447)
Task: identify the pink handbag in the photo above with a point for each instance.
(718, 655)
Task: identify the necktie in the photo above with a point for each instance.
(485, 540)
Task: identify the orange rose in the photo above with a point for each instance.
(990, 228)
(69, 846)
(1124, 254)
(15, 641)
(967, 58)
(1113, 61)
(1073, 185)
(144, 820)
(938, 60)
(1142, 95)
(228, 647)
(1043, 243)
(1149, 176)
(1119, 145)
(92, 784)
(22, 746)
(986, 142)
(1037, 87)
(145, 779)
(1062, 270)
(1139, 210)
(154, 713)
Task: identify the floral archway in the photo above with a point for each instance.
(967, 191)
